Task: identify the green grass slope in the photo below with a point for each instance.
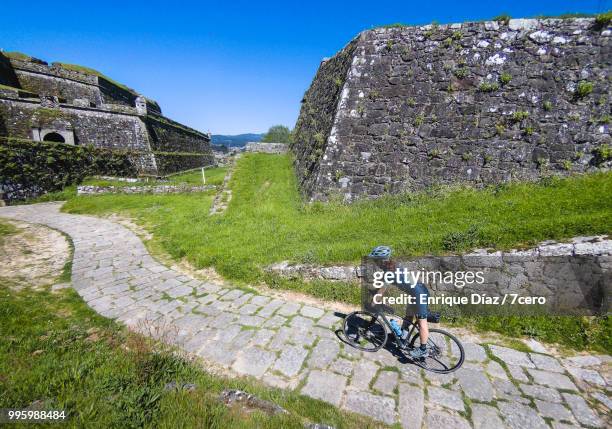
(267, 222)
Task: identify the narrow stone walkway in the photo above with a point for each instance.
(224, 194)
(293, 346)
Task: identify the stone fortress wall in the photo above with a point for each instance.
(265, 147)
(38, 100)
(401, 109)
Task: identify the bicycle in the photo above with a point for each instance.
(370, 331)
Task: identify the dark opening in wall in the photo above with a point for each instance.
(54, 137)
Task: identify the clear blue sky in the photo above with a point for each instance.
(227, 66)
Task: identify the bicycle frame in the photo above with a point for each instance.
(413, 326)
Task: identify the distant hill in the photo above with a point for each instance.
(235, 141)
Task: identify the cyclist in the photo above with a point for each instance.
(383, 256)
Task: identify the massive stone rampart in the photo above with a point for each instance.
(401, 109)
(79, 106)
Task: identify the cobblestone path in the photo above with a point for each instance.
(291, 345)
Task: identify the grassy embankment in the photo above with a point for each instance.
(267, 222)
(57, 353)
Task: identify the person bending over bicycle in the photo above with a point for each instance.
(383, 256)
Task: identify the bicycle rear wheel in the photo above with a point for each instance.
(446, 353)
(365, 331)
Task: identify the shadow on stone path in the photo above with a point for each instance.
(294, 346)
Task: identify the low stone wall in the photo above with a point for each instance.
(308, 272)
(119, 179)
(573, 272)
(266, 147)
(160, 189)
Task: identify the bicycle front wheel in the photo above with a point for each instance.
(446, 353)
(365, 331)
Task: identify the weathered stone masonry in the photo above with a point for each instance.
(55, 103)
(574, 276)
(401, 109)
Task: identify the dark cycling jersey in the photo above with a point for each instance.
(421, 293)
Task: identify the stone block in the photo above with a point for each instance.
(445, 398)
(411, 406)
(325, 385)
(511, 356)
(519, 416)
(311, 312)
(253, 361)
(290, 361)
(581, 410)
(553, 410)
(485, 417)
(386, 382)
(546, 363)
(541, 392)
(381, 408)
(475, 384)
(552, 379)
(323, 354)
(441, 419)
(589, 375)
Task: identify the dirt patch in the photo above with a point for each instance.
(64, 312)
(131, 225)
(34, 256)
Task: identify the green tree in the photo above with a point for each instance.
(277, 134)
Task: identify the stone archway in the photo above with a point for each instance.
(54, 137)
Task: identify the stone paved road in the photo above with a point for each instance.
(290, 345)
